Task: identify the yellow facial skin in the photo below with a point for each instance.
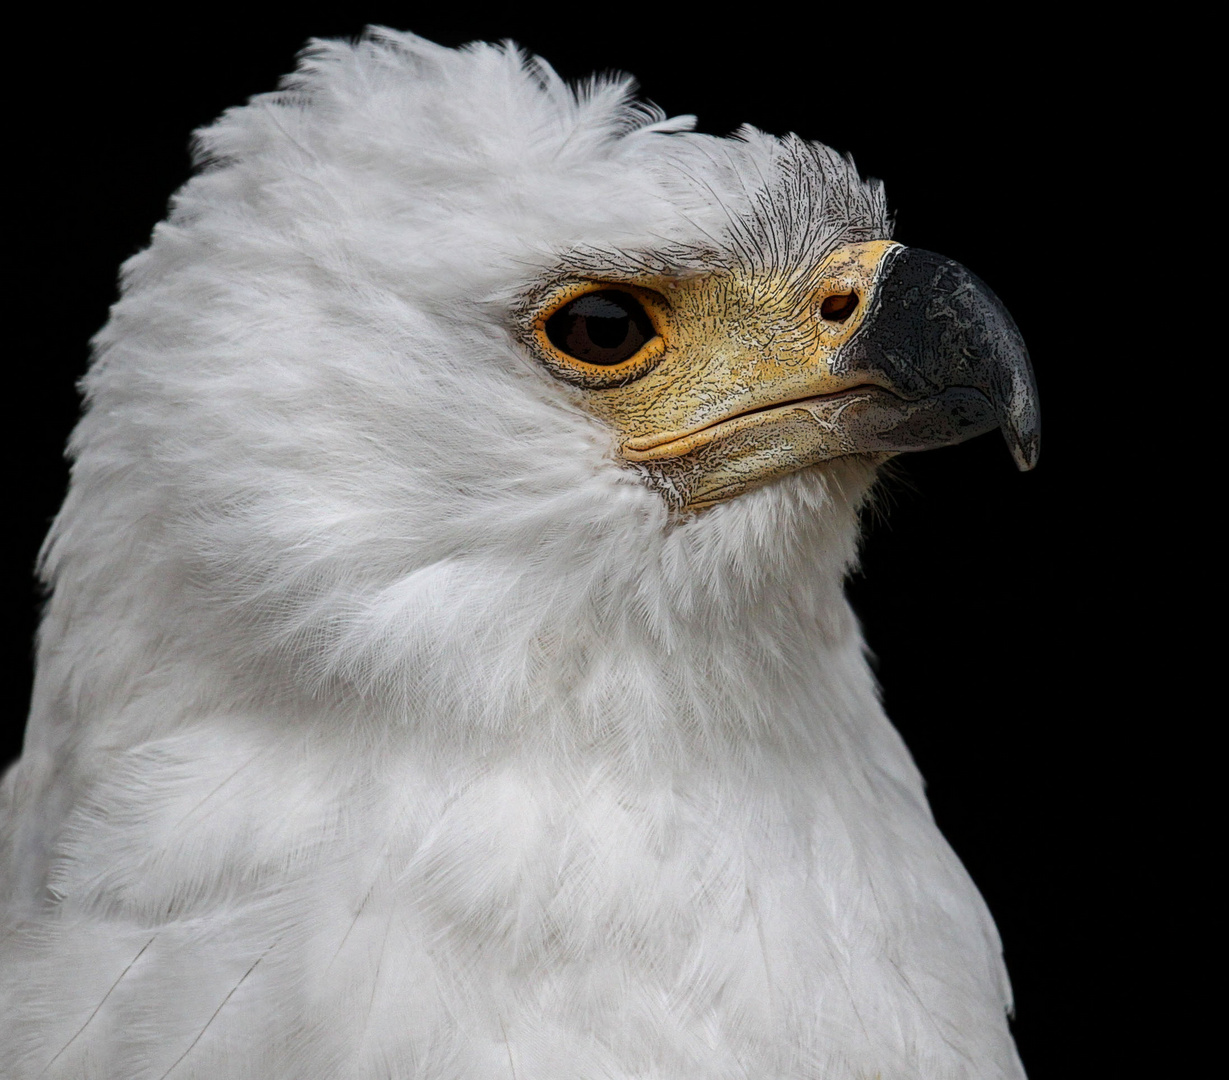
(738, 386)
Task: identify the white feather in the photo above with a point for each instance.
(384, 726)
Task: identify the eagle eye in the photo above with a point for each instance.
(605, 327)
(838, 307)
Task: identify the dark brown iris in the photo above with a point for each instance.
(604, 327)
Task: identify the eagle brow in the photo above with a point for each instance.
(670, 260)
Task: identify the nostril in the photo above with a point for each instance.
(839, 307)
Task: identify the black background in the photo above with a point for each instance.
(1014, 616)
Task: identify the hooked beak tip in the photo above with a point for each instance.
(1025, 448)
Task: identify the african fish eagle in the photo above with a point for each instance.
(447, 671)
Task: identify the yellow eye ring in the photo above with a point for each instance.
(599, 334)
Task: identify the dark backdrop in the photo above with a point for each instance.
(1006, 610)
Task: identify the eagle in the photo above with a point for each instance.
(447, 670)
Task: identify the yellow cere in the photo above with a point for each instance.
(714, 403)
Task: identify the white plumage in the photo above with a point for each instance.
(387, 725)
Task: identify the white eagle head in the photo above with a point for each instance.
(443, 375)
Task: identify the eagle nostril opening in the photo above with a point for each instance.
(838, 307)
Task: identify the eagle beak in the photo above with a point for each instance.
(943, 345)
(892, 350)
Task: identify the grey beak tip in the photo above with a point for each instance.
(1025, 451)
